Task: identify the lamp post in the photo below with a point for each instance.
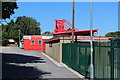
(91, 42)
(73, 6)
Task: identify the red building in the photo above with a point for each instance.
(35, 42)
(62, 27)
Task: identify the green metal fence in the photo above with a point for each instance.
(76, 56)
(106, 58)
(103, 62)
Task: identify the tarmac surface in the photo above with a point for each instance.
(18, 64)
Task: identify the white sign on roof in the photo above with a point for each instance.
(26, 37)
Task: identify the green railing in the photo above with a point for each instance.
(76, 56)
(106, 58)
(103, 56)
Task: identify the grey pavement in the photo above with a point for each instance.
(18, 64)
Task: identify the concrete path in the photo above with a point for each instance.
(18, 64)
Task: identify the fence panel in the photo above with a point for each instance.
(102, 60)
(76, 56)
(116, 59)
(106, 58)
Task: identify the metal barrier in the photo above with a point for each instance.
(77, 56)
(106, 58)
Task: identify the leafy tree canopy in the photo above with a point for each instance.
(47, 32)
(26, 25)
(8, 9)
(113, 34)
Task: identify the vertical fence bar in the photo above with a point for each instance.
(112, 60)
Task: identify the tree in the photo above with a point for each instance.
(26, 25)
(4, 35)
(47, 32)
(113, 34)
(8, 9)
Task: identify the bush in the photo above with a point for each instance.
(4, 42)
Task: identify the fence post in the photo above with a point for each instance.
(112, 60)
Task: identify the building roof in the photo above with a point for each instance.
(81, 32)
(38, 36)
(79, 38)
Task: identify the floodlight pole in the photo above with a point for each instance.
(73, 11)
(91, 42)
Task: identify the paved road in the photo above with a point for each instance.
(18, 64)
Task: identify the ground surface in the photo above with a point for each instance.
(18, 64)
